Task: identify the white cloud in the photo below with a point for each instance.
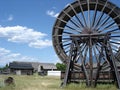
(40, 44)
(7, 56)
(52, 13)
(20, 34)
(4, 51)
(10, 18)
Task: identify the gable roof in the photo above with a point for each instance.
(20, 65)
(47, 65)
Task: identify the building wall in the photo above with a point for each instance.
(54, 73)
(21, 72)
(18, 72)
(27, 72)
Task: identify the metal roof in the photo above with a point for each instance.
(17, 65)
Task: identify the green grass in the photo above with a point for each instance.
(36, 82)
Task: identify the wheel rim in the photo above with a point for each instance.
(86, 17)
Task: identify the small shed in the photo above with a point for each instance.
(43, 68)
(46, 67)
(21, 68)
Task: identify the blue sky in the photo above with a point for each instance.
(26, 28)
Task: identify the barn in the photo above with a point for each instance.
(20, 68)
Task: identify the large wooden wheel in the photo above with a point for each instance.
(89, 21)
(82, 17)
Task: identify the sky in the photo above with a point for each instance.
(26, 29)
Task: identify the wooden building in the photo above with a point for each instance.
(43, 68)
(21, 68)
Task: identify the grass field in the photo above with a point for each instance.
(36, 82)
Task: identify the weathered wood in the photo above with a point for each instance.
(81, 32)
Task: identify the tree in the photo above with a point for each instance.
(5, 67)
(61, 66)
